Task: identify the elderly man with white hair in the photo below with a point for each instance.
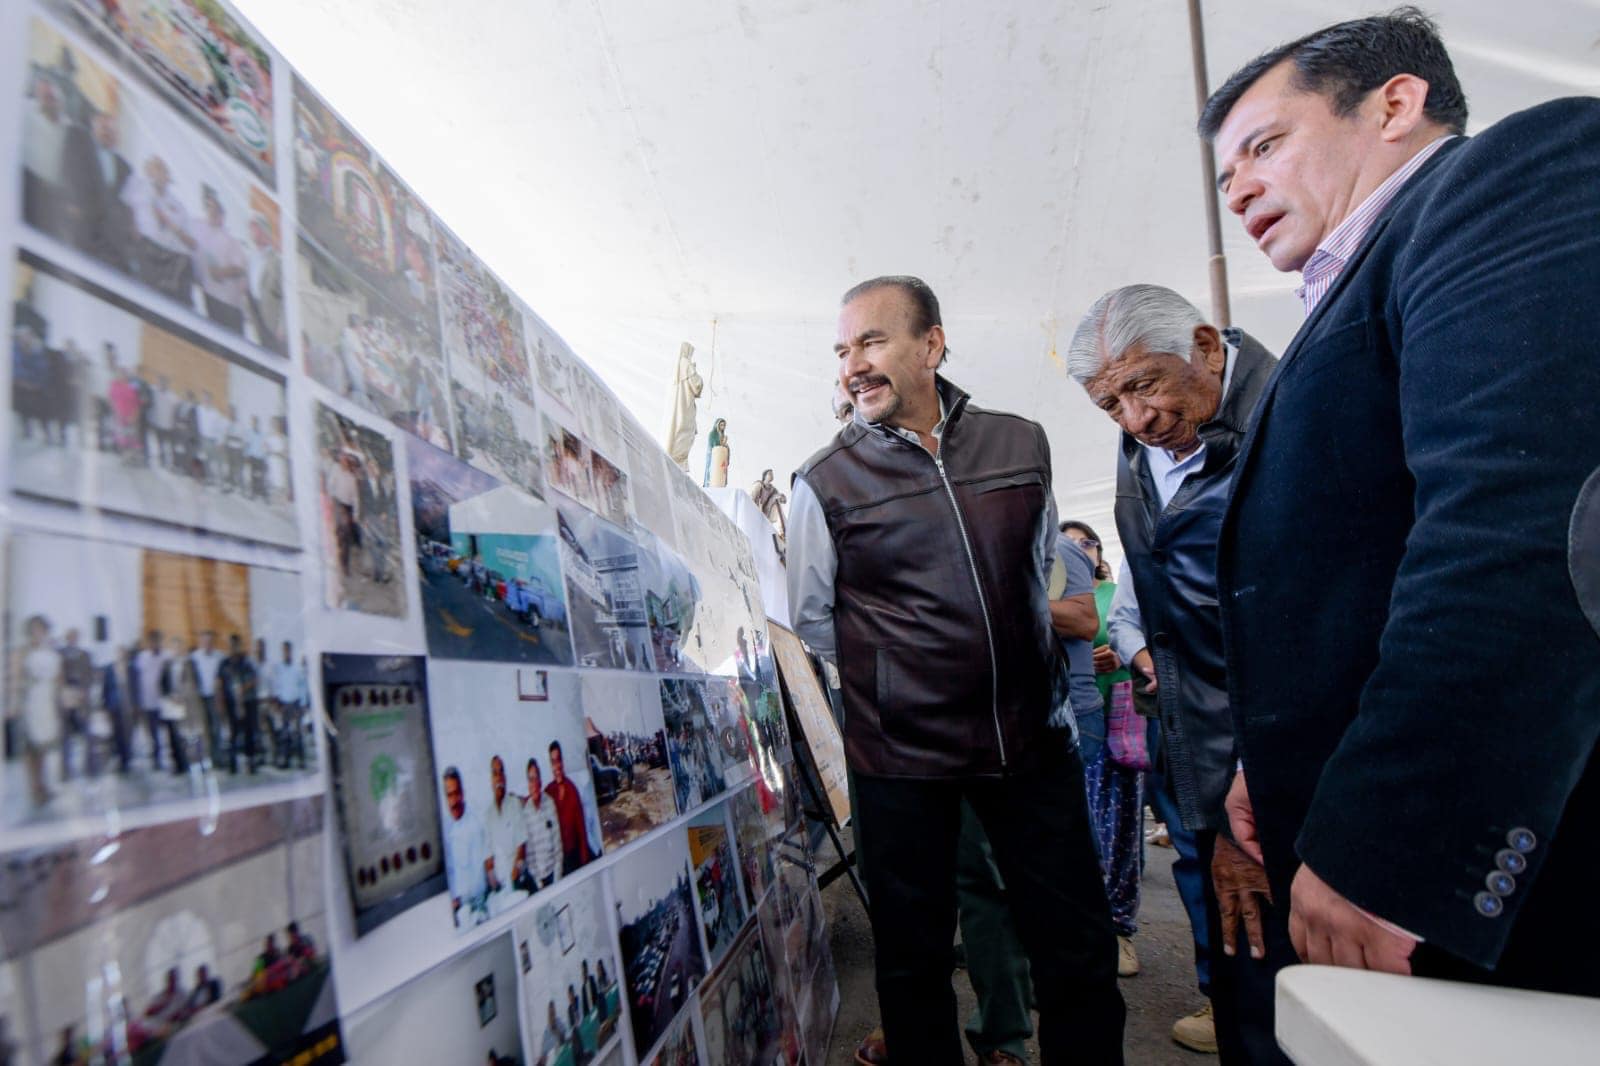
(1182, 392)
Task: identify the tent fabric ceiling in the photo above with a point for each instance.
(718, 171)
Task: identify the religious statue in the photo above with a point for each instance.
(770, 501)
(717, 455)
(686, 389)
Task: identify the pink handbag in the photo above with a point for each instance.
(1127, 742)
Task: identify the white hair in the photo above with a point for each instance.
(1157, 318)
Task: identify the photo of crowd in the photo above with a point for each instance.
(380, 748)
(119, 409)
(740, 1011)
(716, 882)
(489, 562)
(627, 755)
(452, 1014)
(139, 677)
(368, 299)
(515, 787)
(671, 597)
(604, 597)
(360, 517)
(199, 57)
(660, 941)
(482, 323)
(213, 955)
(692, 746)
(571, 989)
(117, 175)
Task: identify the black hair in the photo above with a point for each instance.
(924, 304)
(1346, 61)
(1101, 570)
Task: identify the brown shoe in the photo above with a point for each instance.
(998, 1057)
(1127, 958)
(1197, 1031)
(873, 1050)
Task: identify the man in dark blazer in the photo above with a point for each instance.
(93, 174)
(1416, 690)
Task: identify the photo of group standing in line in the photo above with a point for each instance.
(118, 409)
(360, 517)
(215, 953)
(571, 981)
(114, 173)
(200, 58)
(369, 309)
(515, 787)
(139, 677)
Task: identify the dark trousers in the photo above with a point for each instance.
(1038, 826)
(152, 721)
(1243, 988)
(1187, 872)
(180, 756)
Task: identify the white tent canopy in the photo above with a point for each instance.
(719, 172)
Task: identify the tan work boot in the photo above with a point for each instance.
(1197, 1031)
(1127, 958)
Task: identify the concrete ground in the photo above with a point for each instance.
(1156, 998)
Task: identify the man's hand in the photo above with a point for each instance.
(1105, 660)
(1242, 818)
(1242, 891)
(1146, 666)
(1329, 930)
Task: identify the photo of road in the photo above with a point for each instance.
(661, 955)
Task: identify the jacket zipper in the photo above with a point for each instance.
(972, 562)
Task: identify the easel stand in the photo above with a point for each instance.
(814, 806)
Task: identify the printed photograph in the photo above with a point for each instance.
(572, 994)
(201, 940)
(605, 600)
(368, 295)
(671, 596)
(757, 834)
(595, 413)
(567, 465)
(740, 1010)
(782, 982)
(716, 881)
(729, 624)
(730, 718)
(117, 408)
(380, 747)
(113, 172)
(138, 678)
(515, 790)
(201, 59)
(459, 1012)
(610, 486)
(652, 496)
(627, 755)
(678, 1046)
(661, 954)
(692, 746)
(489, 562)
(360, 517)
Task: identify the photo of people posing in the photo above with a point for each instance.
(216, 953)
(660, 940)
(515, 789)
(692, 746)
(627, 755)
(740, 1011)
(489, 564)
(360, 517)
(381, 751)
(716, 880)
(113, 172)
(117, 408)
(459, 1012)
(202, 61)
(140, 677)
(604, 596)
(571, 985)
(368, 299)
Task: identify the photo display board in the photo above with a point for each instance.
(376, 688)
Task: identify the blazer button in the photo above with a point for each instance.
(1488, 904)
(1512, 862)
(1501, 883)
(1522, 839)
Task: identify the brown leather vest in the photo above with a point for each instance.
(946, 656)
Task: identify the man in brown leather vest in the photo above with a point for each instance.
(921, 537)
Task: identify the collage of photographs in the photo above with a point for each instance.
(363, 559)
